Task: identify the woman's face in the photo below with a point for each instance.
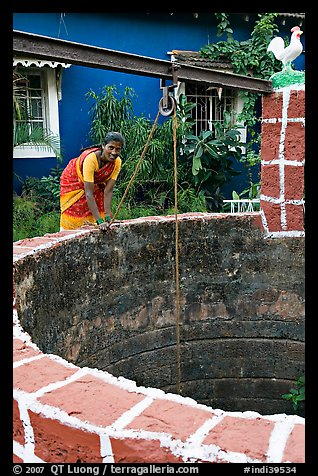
(111, 151)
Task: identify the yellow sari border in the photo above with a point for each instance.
(69, 198)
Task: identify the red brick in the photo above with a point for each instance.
(16, 459)
(294, 182)
(296, 106)
(18, 428)
(20, 250)
(270, 141)
(93, 400)
(169, 417)
(32, 376)
(22, 351)
(294, 142)
(61, 234)
(242, 435)
(272, 105)
(272, 213)
(295, 446)
(56, 442)
(295, 217)
(33, 242)
(141, 451)
(270, 182)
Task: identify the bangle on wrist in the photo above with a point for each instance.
(99, 221)
(108, 218)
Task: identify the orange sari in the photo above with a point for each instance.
(74, 209)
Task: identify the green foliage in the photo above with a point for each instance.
(153, 186)
(223, 25)
(205, 163)
(108, 111)
(29, 219)
(38, 137)
(297, 394)
(212, 155)
(249, 58)
(37, 210)
(46, 191)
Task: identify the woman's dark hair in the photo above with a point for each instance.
(114, 136)
(110, 136)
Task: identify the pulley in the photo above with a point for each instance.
(168, 103)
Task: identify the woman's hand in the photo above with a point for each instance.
(104, 226)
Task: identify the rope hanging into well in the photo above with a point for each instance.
(176, 246)
(176, 225)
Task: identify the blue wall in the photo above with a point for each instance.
(152, 35)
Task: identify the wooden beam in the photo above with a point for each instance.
(53, 49)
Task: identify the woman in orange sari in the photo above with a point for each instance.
(87, 184)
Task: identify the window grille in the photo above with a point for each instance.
(211, 102)
(37, 92)
(31, 93)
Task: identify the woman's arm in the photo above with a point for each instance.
(91, 202)
(108, 195)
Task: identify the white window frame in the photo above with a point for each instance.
(51, 118)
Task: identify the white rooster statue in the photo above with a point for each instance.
(288, 54)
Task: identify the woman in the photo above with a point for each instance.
(87, 184)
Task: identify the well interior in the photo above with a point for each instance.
(107, 300)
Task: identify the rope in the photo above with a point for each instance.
(136, 169)
(176, 224)
(177, 246)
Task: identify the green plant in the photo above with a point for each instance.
(212, 154)
(248, 57)
(153, 186)
(36, 211)
(296, 395)
(45, 190)
(29, 220)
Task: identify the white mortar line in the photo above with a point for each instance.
(28, 432)
(278, 440)
(264, 221)
(204, 429)
(294, 163)
(281, 156)
(18, 450)
(280, 119)
(279, 200)
(27, 360)
(59, 384)
(131, 414)
(282, 234)
(267, 198)
(106, 450)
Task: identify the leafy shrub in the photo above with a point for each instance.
(29, 220)
(297, 394)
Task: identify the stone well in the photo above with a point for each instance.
(108, 301)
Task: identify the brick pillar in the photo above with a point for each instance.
(282, 161)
